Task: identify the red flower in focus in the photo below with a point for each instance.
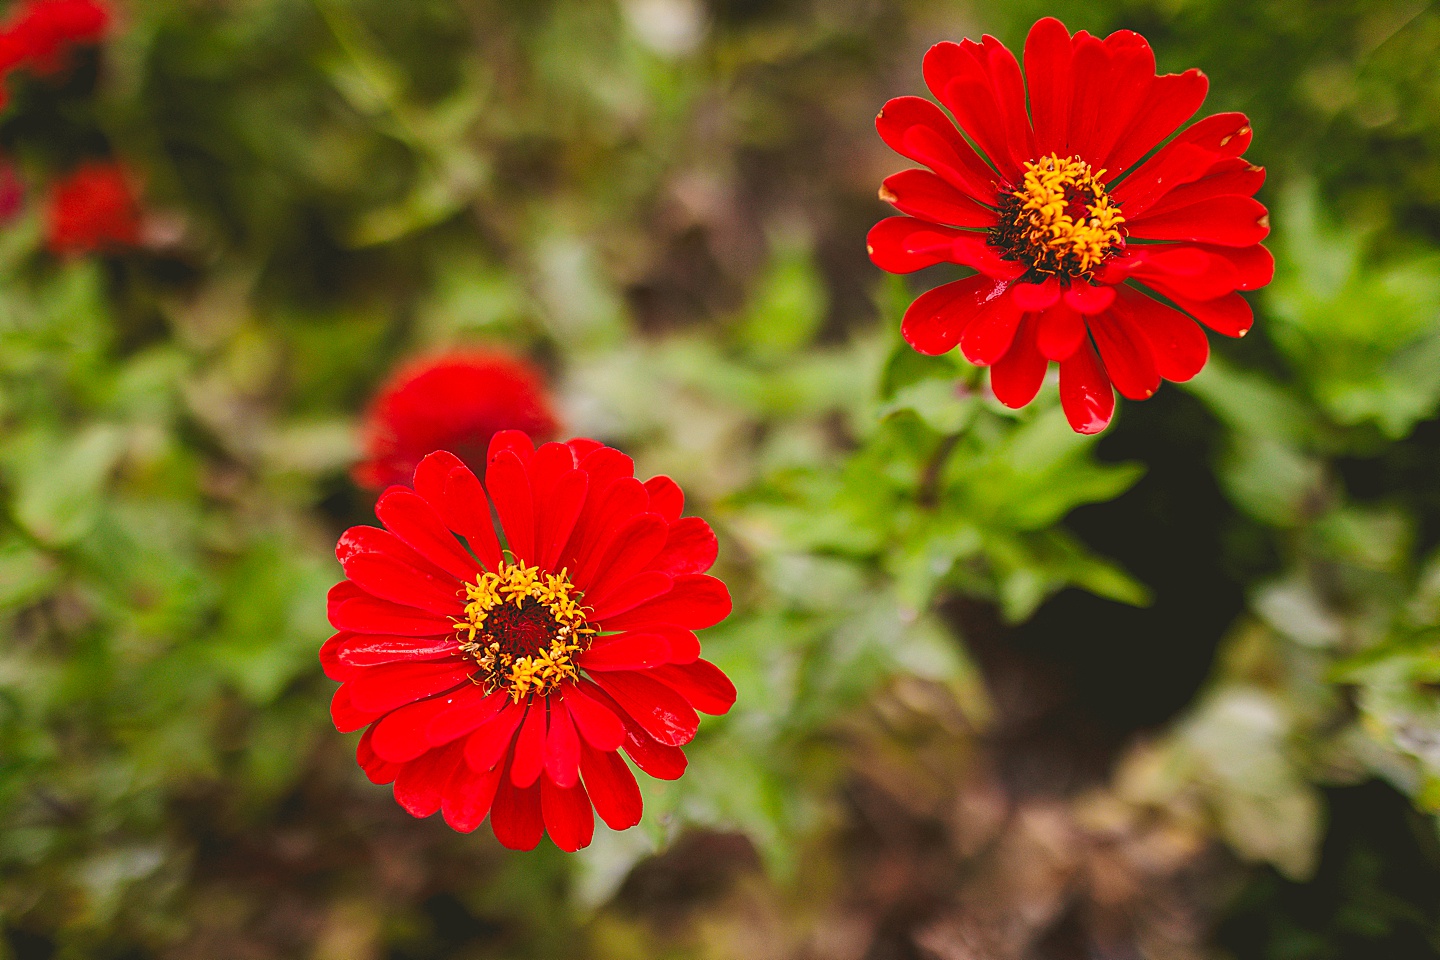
(93, 208)
(504, 680)
(455, 402)
(39, 33)
(1071, 235)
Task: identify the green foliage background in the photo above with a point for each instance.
(664, 201)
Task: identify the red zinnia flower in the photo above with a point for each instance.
(40, 32)
(94, 208)
(504, 680)
(453, 402)
(1070, 238)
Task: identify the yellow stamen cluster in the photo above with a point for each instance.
(1042, 228)
(488, 633)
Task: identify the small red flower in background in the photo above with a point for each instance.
(39, 33)
(92, 208)
(454, 402)
(505, 680)
(1070, 238)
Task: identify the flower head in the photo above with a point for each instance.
(40, 33)
(1073, 225)
(456, 402)
(505, 673)
(93, 208)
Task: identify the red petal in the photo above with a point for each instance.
(330, 662)
(627, 651)
(517, 442)
(471, 708)
(1060, 331)
(1155, 179)
(562, 747)
(596, 722)
(1192, 270)
(632, 593)
(1254, 266)
(467, 512)
(400, 734)
(702, 683)
(370, 650)
(935, 321)
(918, 130)
(1007, 84)
(515, 815)
(556, 514)
(394, 580)
(1225, 134)
(407, 515)
(1229, 315)
(509, 487)
(1016, 377)
(662, 712)
(926, 196)
(696, 601)
(430, 477)
(684, 645)
(1169, 102)
(467, 797)
(1090, 89)
(666, 497)
(602, 515)
(421, 782)
(1034, 297)
(1088, 298)
(1085, 392)
(1127, 360)
(606, 465)
(905, 244)
(612, 787)
(490, 742)
(1240, 179)
(690, 547)
(530, 745)
(568, 815)
(1177, 343)
(625, 552)
(1226, 221)
(1132, 74)
(377, 771)
(367, 614)
(990, 334)
(345, 715)
(957, 77)
(1047, 74)
(381, 689)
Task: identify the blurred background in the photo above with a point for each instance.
(1005, 692)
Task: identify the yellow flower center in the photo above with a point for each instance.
(524, 629)
(1059, 221)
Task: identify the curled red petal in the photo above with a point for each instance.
(612, 787)
(569, 818)
(1085, 392)
(1016, 377)
(1177, 343)
(529, 757)
(468, 796)
(690, 547)
(515, 814)
(1128, 361)
(1059, 332)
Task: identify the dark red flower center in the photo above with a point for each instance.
(1058, 220)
